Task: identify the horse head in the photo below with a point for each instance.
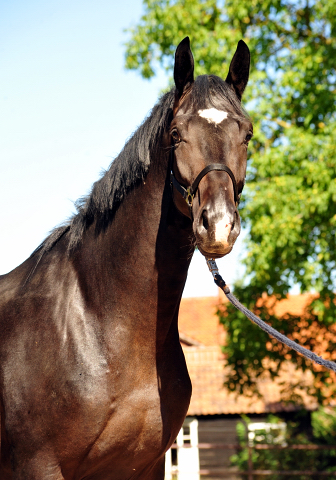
(209, 136)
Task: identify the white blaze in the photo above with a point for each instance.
(213, 115)
(223, 229)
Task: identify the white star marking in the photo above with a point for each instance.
(213, 115)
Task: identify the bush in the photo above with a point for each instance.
(322, 432)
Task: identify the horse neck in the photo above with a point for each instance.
(138, 266)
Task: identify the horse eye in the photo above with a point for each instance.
(175, 136)
(248, 138)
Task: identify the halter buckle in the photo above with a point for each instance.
(189, 197)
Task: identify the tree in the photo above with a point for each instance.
(289, 205)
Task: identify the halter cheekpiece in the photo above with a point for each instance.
(189, 193)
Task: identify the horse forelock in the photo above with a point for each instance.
(210, 91)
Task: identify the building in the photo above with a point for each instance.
(214, 412)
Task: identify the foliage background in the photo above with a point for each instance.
(321, 430)
(289, 206)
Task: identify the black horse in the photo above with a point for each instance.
(93, 380)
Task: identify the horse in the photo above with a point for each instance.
(93, 380)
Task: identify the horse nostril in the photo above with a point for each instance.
(235, 219)
(205, 220)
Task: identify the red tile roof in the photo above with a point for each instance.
(198, 320)
(210, 397)
(206, 365)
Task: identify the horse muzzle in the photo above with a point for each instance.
(216, 232)
(217, 226)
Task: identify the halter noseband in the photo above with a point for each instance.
(189, 193)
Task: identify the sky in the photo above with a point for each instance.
(67, 106)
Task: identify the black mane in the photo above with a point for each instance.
(127, 170)
(131, 166)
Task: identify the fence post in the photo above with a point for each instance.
(250, 463)
(249, 452)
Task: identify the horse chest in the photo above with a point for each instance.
(140, 429)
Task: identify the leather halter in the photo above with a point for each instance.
(189, 193)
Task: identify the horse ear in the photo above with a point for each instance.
(184, 67)
(239, 69)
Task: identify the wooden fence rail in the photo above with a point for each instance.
(250, 473)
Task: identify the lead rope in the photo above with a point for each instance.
(263, 325)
